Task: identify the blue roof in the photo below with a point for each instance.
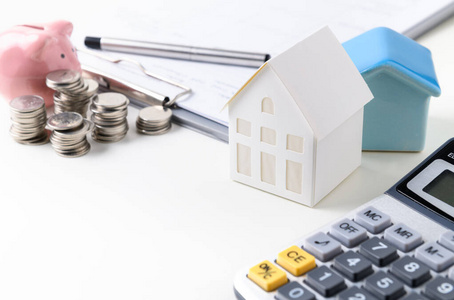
(384, 47)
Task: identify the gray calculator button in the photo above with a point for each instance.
(435, 256)
(384, 286)
(322, 246)
(447, 240)
(411, 271)
(325, 281)
(294, 291)
(355, 293)
(353, 265)
(348, 232)
(451, 273)
(403, 237)
(440, 289)
(378, 251)
(372, 219)
(414, 296)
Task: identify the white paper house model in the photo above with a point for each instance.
(296, 125)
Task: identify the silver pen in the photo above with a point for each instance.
(218, 56)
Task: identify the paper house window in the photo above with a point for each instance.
(294, 176)
(268, 106)
(268, 135)
(243, 127)
(294, 143)
(268, 168)
(244, 159)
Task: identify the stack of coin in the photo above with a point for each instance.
(109, 116)
(28, 115)
(73, 93)
(154, 120)
(69, 134)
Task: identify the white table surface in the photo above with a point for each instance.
(158, 217)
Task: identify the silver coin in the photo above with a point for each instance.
(155, 114)
(39, 140)
(93, 86)
(27, 103)
(111, 100)
(62, 77)
(76, 153)
(155, 132)
(74, 133)
(65, 121)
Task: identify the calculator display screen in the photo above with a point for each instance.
(442, 187)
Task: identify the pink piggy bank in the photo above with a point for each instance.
(29, 52)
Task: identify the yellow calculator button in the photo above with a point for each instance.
(296, 260)
(267, 276)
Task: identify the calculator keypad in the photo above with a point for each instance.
(350, 261)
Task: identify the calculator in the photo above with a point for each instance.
(399, 245)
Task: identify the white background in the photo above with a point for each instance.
(158, 217)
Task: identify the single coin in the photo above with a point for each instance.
(92, 87)
(27, 103)
(74, 134)
(111, 100)
(65, 121)
(154, 132)
(62, 77)
(155, 113)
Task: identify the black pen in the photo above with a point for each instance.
(218, 56)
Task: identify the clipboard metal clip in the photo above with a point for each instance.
(133, 91)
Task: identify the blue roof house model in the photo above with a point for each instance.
(400, 73)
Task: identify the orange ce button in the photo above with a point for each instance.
(296, 260)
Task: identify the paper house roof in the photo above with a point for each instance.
(383, 47)
(322, 80)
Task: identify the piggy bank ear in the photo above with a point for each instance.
(60, 27)
(39, 47)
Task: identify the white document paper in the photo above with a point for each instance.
(255, 26)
